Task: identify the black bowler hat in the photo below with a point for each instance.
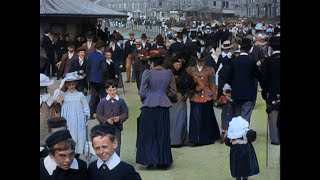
(56, 122)
(245, 42)
(57, 137)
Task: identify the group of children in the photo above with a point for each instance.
(112, 111)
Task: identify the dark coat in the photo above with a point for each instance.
(60, 174)
(271, 78)
(122, 171)
(242, 78)
(95, 68)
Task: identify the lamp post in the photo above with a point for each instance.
(221, 10)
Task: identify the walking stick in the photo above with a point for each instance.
(87, 142)
(267, 143)
(121, 81)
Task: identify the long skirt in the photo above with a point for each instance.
(204, 128)
(243, 160)
(178, 123)
(153, 143)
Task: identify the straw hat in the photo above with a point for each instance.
(226, 45)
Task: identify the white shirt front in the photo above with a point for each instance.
(51, 165)
(70, 55)
(109, 61)
(199, 68)
(80, 61)
(112, 162)
(89, 45)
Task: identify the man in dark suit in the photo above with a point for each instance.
(145, 44)
(271, 88)
(82, 70)
(95, 76)
(128, 47)
(242, 77)
(108, 165)
(89, 45)
(49, 46)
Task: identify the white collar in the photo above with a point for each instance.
(99, 51)
(112, 162)
(116, 97)
(89, 43)
(46, 35)
(246, 54)
(51, 165)
(274, 52)
(109, 61)
(226, 54)
(199, 68)
(119, 44)
(81, 59)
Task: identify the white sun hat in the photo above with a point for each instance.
(45, 81)
(237, 127)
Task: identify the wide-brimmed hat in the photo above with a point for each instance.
(259, 26)
(45, 81)
(73, 76)
(260, 40)
(237, 128)
(143, 36)
(226, 45)
(156, 53)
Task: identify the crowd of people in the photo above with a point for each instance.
(170, 71)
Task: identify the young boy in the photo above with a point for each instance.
(108, 165)
(227, 110)
(113, 111)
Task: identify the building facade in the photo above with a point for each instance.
(258, 8)
(209, 9)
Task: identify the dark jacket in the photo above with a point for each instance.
(242, 78)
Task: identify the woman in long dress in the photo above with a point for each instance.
(203, 127)
(157, 86)
(178, 111)
(75, 109)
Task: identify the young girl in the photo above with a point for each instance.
(74, 108)
(227, 110)
(243, 160)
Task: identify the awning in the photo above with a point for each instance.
(76, 8)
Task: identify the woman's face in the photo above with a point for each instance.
(177, 66)
(71, 86)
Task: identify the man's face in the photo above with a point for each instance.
(71, 49)
(81, 54)
(64, 158)
(104, 147)
(112, 91)
(131, 36)
(107, 55)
